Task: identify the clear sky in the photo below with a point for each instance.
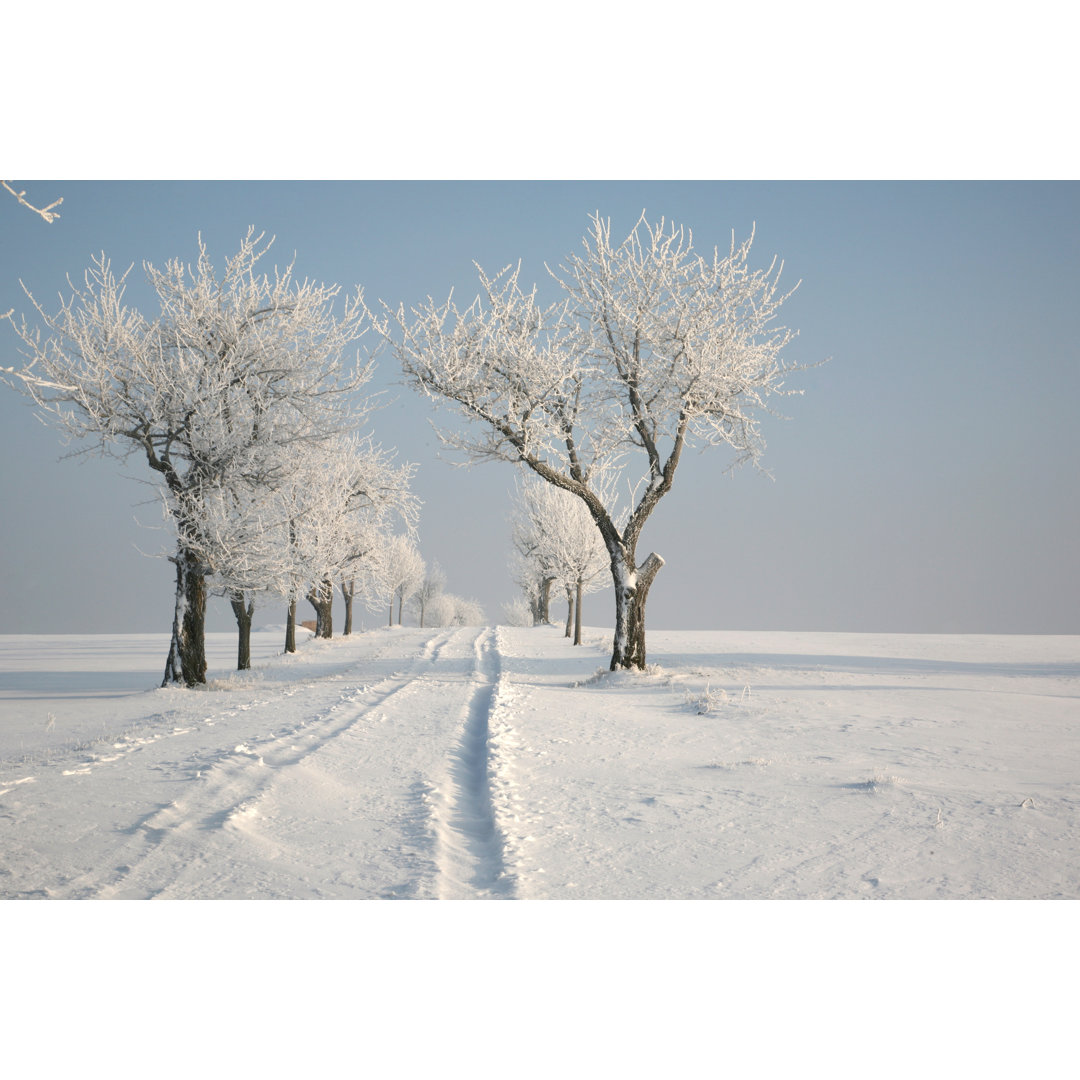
(925, 482)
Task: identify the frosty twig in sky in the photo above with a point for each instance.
(47, 213)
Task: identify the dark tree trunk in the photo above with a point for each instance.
(391, 622)
(290, 627)
(541, 610)
(545, 599)
(400, 605)
(569, 608)
(187, 650)
(321, 598)
(630, 596)
(348, 591)
(243, 609)
(577, 615)
(173, 672)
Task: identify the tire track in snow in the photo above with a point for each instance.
(170, 839)
(470, 858)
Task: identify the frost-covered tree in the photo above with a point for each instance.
(339, 509)
(533, 571)
(239, 542)
(431, 587)
(652, 349)
(556, 540)
(517, 612)
(212, 392)
(450, 610)
(379, 500)
(399, 571)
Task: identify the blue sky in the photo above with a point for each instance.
(925, 482)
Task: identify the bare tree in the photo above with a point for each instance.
(450, 610)
(576, 546)
(400, 571)
(653, 348)
(339, 507)
(556, 540)
(517, 612)
(431, 587)
(379, 499)
(209, 392)
(532, 566)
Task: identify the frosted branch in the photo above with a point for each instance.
(48, 213)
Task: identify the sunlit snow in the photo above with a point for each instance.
(504, 763)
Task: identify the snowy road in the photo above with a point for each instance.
(370, 781)
(495, 763)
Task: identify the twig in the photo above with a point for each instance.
(48, 212)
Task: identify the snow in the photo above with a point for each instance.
(503, 763)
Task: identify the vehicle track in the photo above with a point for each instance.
(339, 785)
(471, 849)
(176, 843)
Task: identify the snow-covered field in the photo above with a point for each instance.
(506, 764)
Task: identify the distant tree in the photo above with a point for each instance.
(653, 348)
(340, 509)
(533, 570)
(450, 610)
(213, 392)
(562, 542)
(379, 500)
(430, 588)
(517, 612)
(400, 571)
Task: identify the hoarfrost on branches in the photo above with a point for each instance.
(556, 543)
(429, 589)
(217, 393)
(652, 347)
(46, 213)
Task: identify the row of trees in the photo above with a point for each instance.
(403, 578)
(243, 401)
(556, 546)
(240, 399)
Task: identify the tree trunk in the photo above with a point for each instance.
(400, 605)
(545, 599)
(187, 650)
(172, 664)
(391, 622)
(348, 591)
(290, 627)
(321, 598)
(577, 615)
(631, 591)
(243, 612)
(569, 608)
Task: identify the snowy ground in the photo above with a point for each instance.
(497, 763)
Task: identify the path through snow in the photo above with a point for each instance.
(499, 763)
